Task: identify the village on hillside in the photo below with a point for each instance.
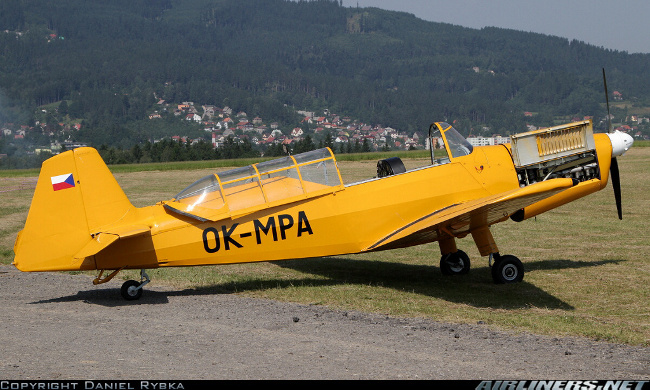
(221, 123)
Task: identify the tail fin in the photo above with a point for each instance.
(75, 196)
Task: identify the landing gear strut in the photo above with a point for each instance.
(132, 290)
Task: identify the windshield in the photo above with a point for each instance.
(456, 144)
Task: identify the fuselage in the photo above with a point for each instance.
(349, 220)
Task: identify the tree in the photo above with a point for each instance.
(136, 152)
(365, 148)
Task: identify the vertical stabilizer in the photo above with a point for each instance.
(75, 196)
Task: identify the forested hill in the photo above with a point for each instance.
(111, 61)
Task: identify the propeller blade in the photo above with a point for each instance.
(609, 118)
(624, 143)
(616, 183)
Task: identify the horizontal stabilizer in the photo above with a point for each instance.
(99, 242)
(104, 239)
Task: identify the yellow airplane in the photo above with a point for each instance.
(298, 206)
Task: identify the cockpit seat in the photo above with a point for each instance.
(390, 166)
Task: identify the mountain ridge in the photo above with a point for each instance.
(270, 58)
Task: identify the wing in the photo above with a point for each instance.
(459, 219)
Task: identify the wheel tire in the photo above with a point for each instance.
(508, 269)
(457, 263)
(129, 291)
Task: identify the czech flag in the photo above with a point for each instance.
(62, 182)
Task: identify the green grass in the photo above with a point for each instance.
(641, 143)
(587, 273)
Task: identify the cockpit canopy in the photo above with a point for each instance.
(261, 185)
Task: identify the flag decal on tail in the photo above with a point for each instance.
(62, 182)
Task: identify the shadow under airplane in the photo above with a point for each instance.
(472, 289)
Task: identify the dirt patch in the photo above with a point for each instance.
(60, 326)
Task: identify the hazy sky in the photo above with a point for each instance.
(620, 25)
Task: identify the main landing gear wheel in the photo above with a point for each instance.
(132, 290)
(455, 263)
(507, 269)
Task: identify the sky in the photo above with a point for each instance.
(622, 25)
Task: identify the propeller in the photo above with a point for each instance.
(620, 143)
(616, 183)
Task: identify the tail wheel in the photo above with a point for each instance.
(507, 269)
(130, 290)
(456, 263)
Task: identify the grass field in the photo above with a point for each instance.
(587, 273)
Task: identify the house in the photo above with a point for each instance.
(245, 125)
(193, 117)
(483, 141)
(341, 139)
(209, 110)
(215, 142)
(437, 143)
